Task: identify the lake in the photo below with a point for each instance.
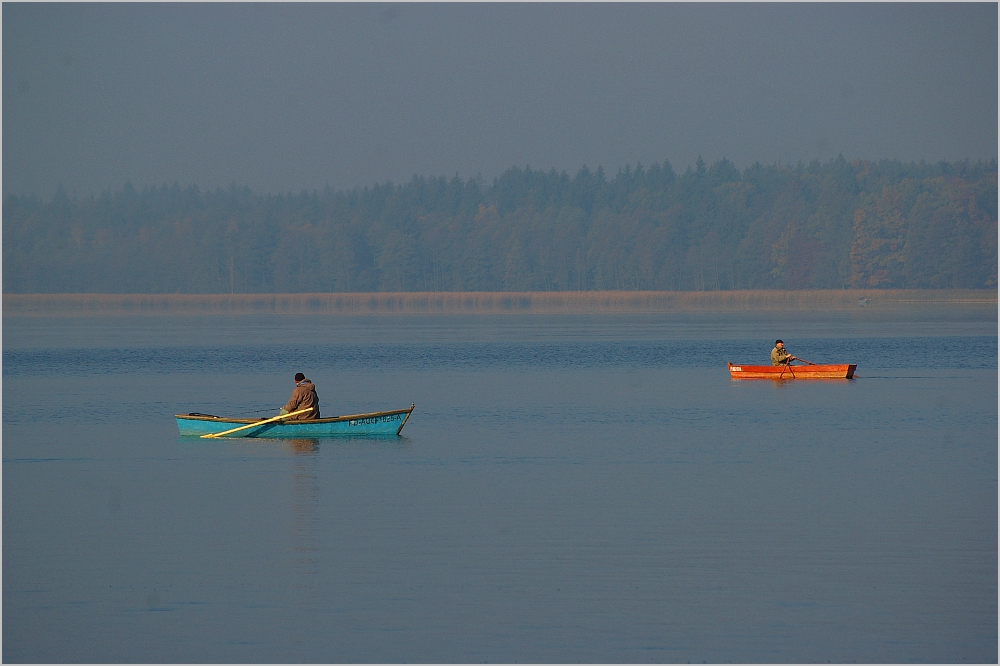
(569, 488)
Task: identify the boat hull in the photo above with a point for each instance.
(783, 372)
(354, 425)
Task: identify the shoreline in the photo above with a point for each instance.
(450, 303)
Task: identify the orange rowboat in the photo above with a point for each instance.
(825, 371)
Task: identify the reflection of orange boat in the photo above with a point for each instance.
(815, 371)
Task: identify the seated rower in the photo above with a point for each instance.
(303, 396)
(780, 355)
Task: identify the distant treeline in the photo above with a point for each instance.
(833, 225)
(973, 304)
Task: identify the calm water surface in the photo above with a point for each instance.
(569, 488)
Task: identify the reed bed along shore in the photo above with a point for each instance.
(549, 302)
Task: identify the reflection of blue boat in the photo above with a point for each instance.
(375, 423)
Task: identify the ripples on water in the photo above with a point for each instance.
(568, 489)
(902, 352)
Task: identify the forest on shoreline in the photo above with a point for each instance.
(933, 303)
(833, 225)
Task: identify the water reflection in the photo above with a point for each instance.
(301, 446)
(785, 383)
(305, 508)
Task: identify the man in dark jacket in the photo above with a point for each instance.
(303, 395)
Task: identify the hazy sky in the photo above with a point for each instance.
(287, 96)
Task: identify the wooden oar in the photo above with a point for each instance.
(258, 423)
(804, 361)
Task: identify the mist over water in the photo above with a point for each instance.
(569, 488)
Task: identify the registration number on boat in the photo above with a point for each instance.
(371, 420)
(736, 368)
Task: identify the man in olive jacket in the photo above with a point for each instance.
(780, 355)
(303, 395)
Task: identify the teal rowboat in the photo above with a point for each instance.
(375, 423)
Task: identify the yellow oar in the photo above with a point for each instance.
(254, 425)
